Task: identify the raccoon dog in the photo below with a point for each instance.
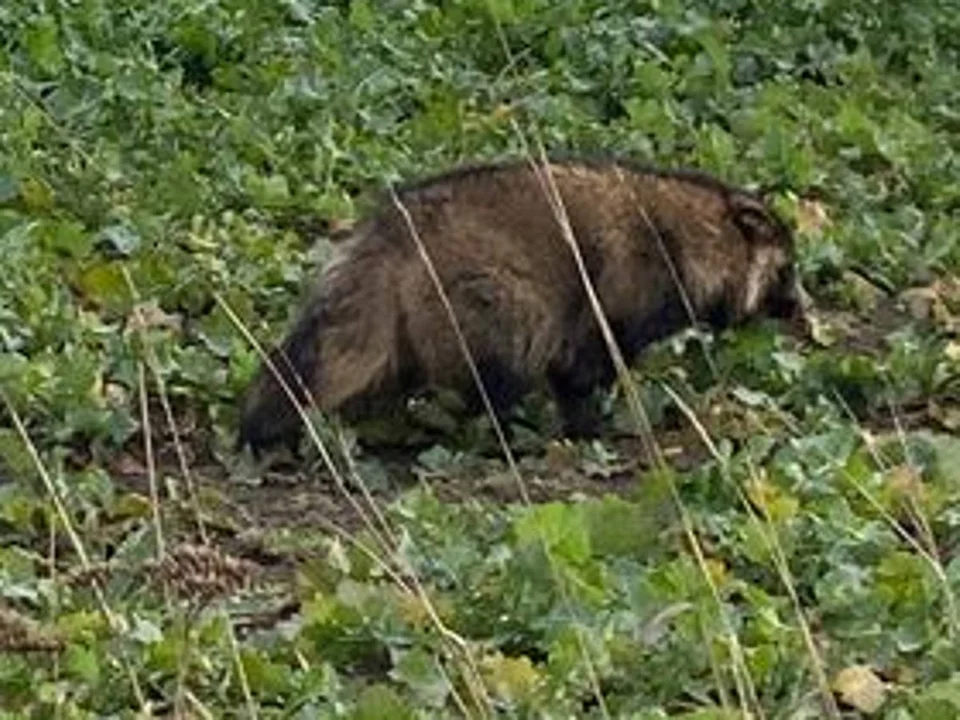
(656, 245)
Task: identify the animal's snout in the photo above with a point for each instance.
(792, 304)
(797, 309)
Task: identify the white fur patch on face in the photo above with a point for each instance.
(762, 271)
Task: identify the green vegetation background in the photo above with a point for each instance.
(156, 155)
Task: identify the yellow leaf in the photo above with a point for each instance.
(502, 112)
(864, 293)
(415, 610)
(511, 679)
(103, 285)
(717, 570)
(412, 608)
(775, 503)
(905, 483)
(811, 216)
(860, 688)
(948, 288)
(948, 417)
(952, 350)
(821, 332)
(132, 505)
(37, 194)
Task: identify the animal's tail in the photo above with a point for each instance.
(268, 416)
(342, 349)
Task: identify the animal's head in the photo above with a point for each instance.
(268, 416)
(770, 286)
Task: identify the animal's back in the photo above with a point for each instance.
(494, 235)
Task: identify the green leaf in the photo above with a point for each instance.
(503, 11)
(263, 676)
(947, 449)
(380, 702)
(561, 528)
(420, 671)
(9, 188)
(362, 15)
(939, 701)
(65, 238)
(14, 456)
(42, 42)
(13, 367)
(709, 714)
(105, 285)
(37, 195)
(617, 527)
(82, 664)
(719, 58)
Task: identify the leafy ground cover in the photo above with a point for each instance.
(165, 165)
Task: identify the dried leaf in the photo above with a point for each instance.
(811, 216)
(948, 417)
(919, 302)
(128, 466)
(149, 315)
(927, 303)
(952, 350)
(865, 294)
(776, 504)
(822, 333)
(561, 457)
(905, 482)
(860, 688)
(511, 679)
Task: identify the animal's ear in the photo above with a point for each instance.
(755, 221)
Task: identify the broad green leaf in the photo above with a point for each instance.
(42, 42)
(362, 15)
(560, 528)
(380, 702)
(37, 195)
(9, 188)
(617, 527)
(938, 701)
(104, 284)
(82, 664)
(15, 459)
(421, 672)
(513, 680)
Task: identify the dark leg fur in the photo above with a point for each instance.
(578, 409)
(504, 387)
(574, 391)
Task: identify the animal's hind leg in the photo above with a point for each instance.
(487, 316)
(578, 409)
(574, 389)
(504, 388)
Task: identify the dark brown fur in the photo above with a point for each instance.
(374, 328)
